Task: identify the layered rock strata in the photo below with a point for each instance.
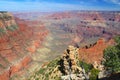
(17, 45)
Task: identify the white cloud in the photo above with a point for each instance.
(114, 1)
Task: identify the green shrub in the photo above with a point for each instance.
(53, 63)
(45, 72)
(12, 27)
(41, 71)
(57, 78)
(112, 57)
(6, 16)
(37, 79)
(2, 66)
(2, 31)
(86, 66)
(94, 74)
(89, 68)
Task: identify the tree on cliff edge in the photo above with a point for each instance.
(112, 57)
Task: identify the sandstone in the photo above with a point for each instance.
(70, 59)
(26, 61)
(31, 49)
(20, 65)
(15, 68)
(5, 76)
(36, 43)
(4, 46)
(95, 52)
(8, 54)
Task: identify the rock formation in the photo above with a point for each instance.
(70, 65)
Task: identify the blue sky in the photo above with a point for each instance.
(58, 5)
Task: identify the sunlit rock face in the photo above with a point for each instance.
(70, 64)
(94, 52)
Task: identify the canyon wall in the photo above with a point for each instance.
(17, 45)
(93, 53)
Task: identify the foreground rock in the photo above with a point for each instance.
(69, 64)
(65, 68)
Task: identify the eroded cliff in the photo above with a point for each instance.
(17, 45)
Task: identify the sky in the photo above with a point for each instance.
(59, 5)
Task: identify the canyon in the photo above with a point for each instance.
(30, 39)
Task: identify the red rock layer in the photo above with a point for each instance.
(93, 53)
(88, 15)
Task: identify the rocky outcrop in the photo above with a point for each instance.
(70, 63)
(8, 26)
(64, 68)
